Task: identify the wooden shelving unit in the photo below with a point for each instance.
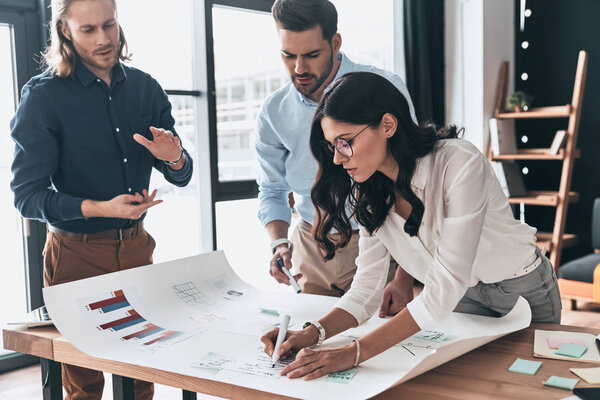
(556, 240)
(535, 154)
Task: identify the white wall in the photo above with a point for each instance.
(479, 36)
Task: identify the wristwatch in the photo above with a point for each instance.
(319, 328)
(277, 242)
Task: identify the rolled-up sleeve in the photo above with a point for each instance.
(364, 296)
(273, 188)
(33, 129)
(182, 176)
(447, 280)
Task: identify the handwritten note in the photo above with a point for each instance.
(212, 361)
(341, 376)
(432, 335)
(259, 364)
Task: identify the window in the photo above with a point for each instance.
(12, 275)
(167, 54)
(247, 69)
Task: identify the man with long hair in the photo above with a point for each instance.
(310, 50)
(86, 144)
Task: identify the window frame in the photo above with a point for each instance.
(229, 190)
(26, 19)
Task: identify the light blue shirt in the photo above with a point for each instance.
(283, 149)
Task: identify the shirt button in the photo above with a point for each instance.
(124, 160)
(117, 130)
(109, 98)
(98, 80)
(129, 189)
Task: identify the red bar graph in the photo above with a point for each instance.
(167, 334)
(119, 297)
(133, 315)
(149, 328)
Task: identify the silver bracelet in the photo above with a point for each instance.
(174, 162)
(357, 352)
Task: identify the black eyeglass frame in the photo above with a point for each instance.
(339, 142)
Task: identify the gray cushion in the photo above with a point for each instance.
(581, 269)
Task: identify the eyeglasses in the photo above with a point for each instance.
(343, 146)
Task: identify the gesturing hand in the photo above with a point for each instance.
(126, 206)
(132, 206)
(164, 146)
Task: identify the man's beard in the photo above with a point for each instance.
(89, 60)
(319, 80)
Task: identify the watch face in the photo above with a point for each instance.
(306, 325)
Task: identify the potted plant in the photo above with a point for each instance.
(519, 101)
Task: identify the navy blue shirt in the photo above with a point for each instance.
(74, 141)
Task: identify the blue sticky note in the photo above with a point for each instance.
(341, 376)
(526, 367)
(571, 350)
(561, 383)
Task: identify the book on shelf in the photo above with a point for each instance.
(558, 141)
(502, 136)
(510, 178)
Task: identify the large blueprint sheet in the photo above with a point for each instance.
(195, 316)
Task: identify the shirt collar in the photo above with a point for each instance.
(86, 76)
(344, 68)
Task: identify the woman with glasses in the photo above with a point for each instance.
(427, 199)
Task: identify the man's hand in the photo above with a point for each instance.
(397, 294)
(164, 146)
(126, 206)
(285, 253)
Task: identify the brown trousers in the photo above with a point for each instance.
(68, 259)
(327, 278)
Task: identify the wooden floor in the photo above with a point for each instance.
(25, 384)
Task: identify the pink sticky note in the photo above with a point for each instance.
(555, 342)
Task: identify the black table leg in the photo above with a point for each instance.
(187, 395)
(122, 388)
(51, 379)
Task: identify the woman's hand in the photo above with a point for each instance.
(294, 341)
(313, 364)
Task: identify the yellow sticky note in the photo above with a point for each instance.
(590, 375)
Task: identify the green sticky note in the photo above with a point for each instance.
(212, 361)
(341, 376)
(571, 350)
(562, 383)
(526, 367)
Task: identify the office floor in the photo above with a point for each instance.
(24, 384)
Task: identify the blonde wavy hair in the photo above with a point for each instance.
(60, 56)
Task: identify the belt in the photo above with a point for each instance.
(114, 234)
(539, 258)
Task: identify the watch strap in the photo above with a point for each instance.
(277, 242)
(319, 327)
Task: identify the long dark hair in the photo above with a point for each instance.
(362, 98)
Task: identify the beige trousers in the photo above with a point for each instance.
(328, 278)
(68, 259)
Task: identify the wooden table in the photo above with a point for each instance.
(479, 374)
